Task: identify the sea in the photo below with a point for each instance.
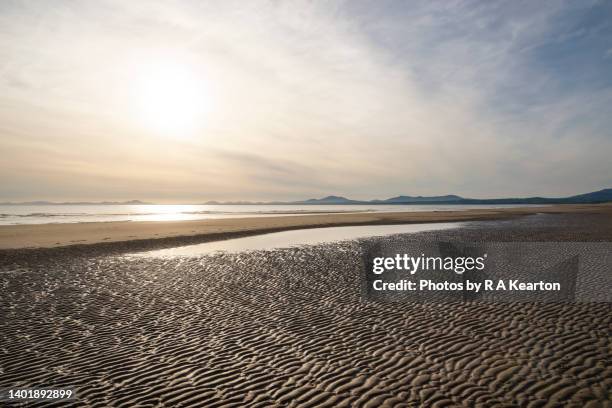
(47, 214)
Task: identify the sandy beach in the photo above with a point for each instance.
(166, 233)
(291, 328)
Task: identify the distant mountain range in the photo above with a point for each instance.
(393, 200)
(601, 196)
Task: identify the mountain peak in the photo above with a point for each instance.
(417, 199)
(331, 199)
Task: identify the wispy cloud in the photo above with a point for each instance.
(359, 98)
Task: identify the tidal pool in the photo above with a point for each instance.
(293, 238)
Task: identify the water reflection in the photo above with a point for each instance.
(287, 239)
(164, 212)
(71, 213)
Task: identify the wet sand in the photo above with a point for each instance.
(187, 232)
(292, 328)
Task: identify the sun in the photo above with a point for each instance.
(171, 99)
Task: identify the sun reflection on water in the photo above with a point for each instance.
(163, 212)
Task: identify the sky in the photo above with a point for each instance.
(189, 101)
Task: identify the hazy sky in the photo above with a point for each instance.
(189, 101)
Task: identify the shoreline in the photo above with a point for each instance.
(159, 234)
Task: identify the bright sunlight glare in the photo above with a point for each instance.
(171, 99)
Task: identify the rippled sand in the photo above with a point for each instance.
(290, 328)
